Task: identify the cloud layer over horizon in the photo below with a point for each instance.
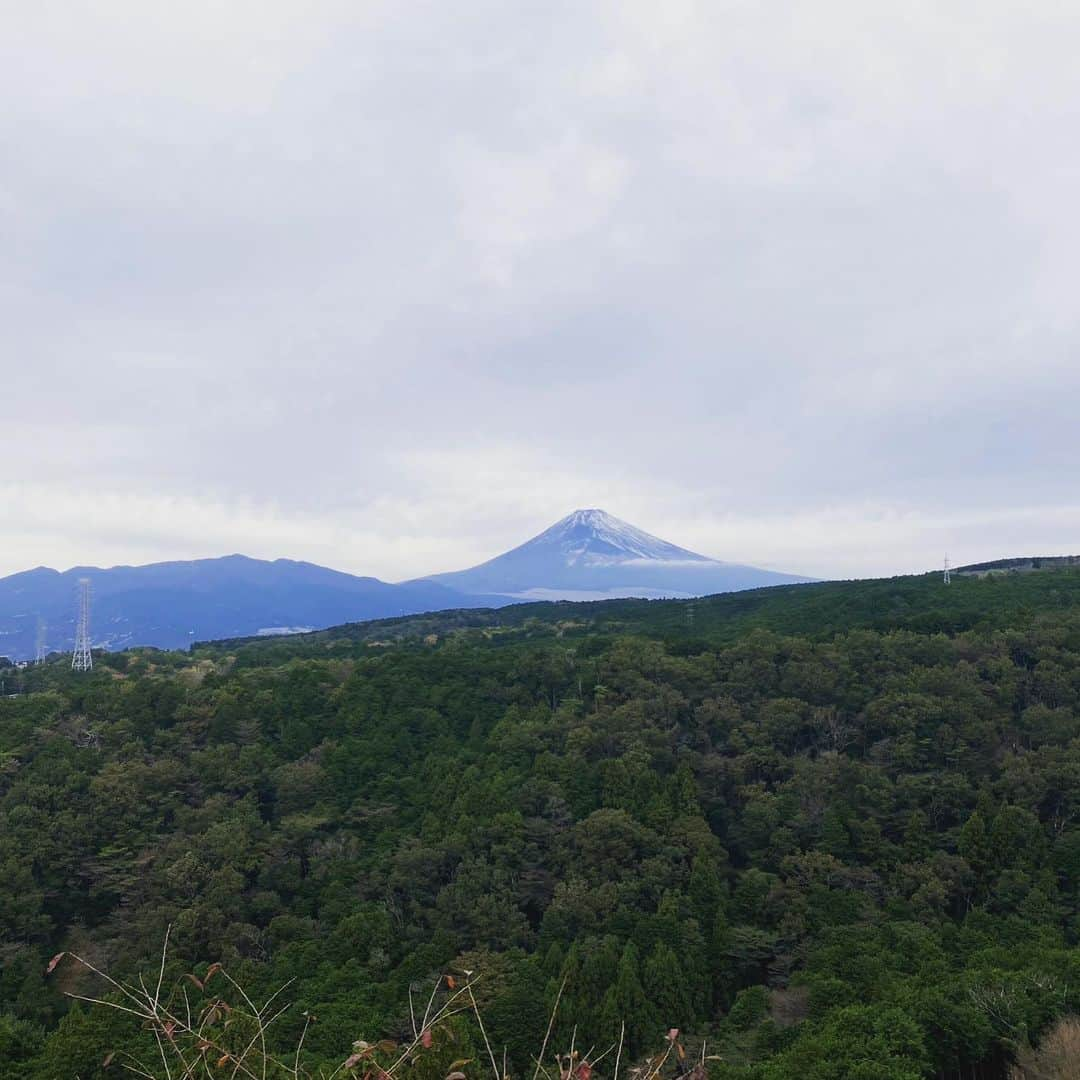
(392, 287)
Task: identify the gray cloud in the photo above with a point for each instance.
(390, 286)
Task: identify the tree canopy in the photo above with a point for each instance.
(832, 830)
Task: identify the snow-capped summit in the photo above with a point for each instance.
(592, 555)
(597, 538)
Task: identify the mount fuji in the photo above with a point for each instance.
(589, 555)
(592, 555)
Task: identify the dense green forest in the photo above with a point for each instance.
(826, 831)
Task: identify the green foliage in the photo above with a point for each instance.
(19, 1042)
(865, 796)
(859, 1042)
(750, 1007)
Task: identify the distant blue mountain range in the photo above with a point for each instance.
(587, 555)
(172, 604)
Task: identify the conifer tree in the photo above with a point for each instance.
(667, 987)
(626, 1003)
(706, 891)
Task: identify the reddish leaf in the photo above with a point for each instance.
(211, 971)
(352, 1061)
(584, 1071)
(450, 981)
(169, 1028)
(223, 1061)
(53, 962)
(425, 1039)
(673, 1034)
(193, 980)
(108, 1059)
(681, 1051)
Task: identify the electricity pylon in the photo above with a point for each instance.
(82, 659)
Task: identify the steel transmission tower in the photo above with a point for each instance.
(82, 660)
(39, 651)
(948, 573)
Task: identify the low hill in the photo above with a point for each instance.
(1022, 565)
(823, 831)
(818, 611)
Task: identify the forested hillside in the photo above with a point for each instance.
(834, 830)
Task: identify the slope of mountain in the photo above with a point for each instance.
(868, 788)
(174, 603)
(591, 555)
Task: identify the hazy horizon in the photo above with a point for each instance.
(393, 290)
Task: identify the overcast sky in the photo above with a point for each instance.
(392, 286)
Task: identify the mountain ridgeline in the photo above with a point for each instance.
(826, 831)
(587, 555)
(170, 605)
